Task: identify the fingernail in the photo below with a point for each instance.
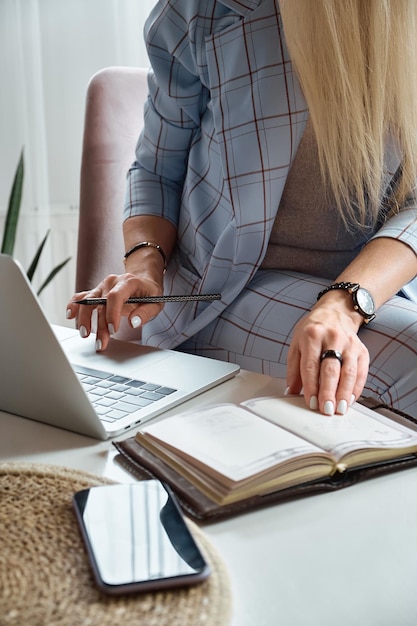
(111, 329)
(342, 407)
(328, 408)
(98, 345)
(286, 391)
(68, 314)
(136, 321)
(352, 399)
(314, 405)
(83, 332)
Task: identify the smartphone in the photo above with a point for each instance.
(137, 539)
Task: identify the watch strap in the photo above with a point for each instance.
(351, 287)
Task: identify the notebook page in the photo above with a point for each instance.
(230, 439)
(340, 433)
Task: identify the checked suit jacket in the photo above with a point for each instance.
(223, 121)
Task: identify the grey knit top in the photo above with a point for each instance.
(308, 234)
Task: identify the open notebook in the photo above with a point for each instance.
(113, 391)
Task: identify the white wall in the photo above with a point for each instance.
(49, 49)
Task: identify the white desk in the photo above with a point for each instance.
(346, 558)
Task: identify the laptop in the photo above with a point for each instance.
(51, 375)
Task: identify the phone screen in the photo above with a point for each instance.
(136, 538)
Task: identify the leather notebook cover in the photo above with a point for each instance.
(143, 464)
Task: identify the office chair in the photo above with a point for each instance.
(113, 121)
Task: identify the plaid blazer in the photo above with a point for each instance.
(223, 121)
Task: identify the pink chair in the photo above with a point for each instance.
(113, 121)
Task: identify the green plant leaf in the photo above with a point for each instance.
(13, 210)
(36, 258)
(11, 222)
(51, 275)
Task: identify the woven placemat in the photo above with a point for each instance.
(45, 578)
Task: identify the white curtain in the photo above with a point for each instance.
(49, 49)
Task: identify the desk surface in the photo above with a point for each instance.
(343, 558)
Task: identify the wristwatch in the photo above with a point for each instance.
(363, 301)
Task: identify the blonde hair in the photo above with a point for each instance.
(357, 65)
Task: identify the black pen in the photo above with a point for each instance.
(154, 299)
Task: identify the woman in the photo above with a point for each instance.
(264, 168)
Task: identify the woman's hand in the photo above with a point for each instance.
(117, 289)
(144, 276)
(384, 265)
(327, 384)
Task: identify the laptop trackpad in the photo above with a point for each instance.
(165, 367)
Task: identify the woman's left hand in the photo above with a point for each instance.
(327, 384)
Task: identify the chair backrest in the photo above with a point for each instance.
(112, 124)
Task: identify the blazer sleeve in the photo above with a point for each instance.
(402, 226)
(172, 113)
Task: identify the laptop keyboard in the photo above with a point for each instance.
(114, 396)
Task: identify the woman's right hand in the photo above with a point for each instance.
(116, 289)
(145, 268)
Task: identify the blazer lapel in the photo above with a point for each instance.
(259, 116)
(241, 7)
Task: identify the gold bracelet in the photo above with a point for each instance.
(147, 244)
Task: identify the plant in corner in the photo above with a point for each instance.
(11, 223)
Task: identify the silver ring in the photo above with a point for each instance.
(332, 354)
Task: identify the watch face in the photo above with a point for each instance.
(365, 301)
